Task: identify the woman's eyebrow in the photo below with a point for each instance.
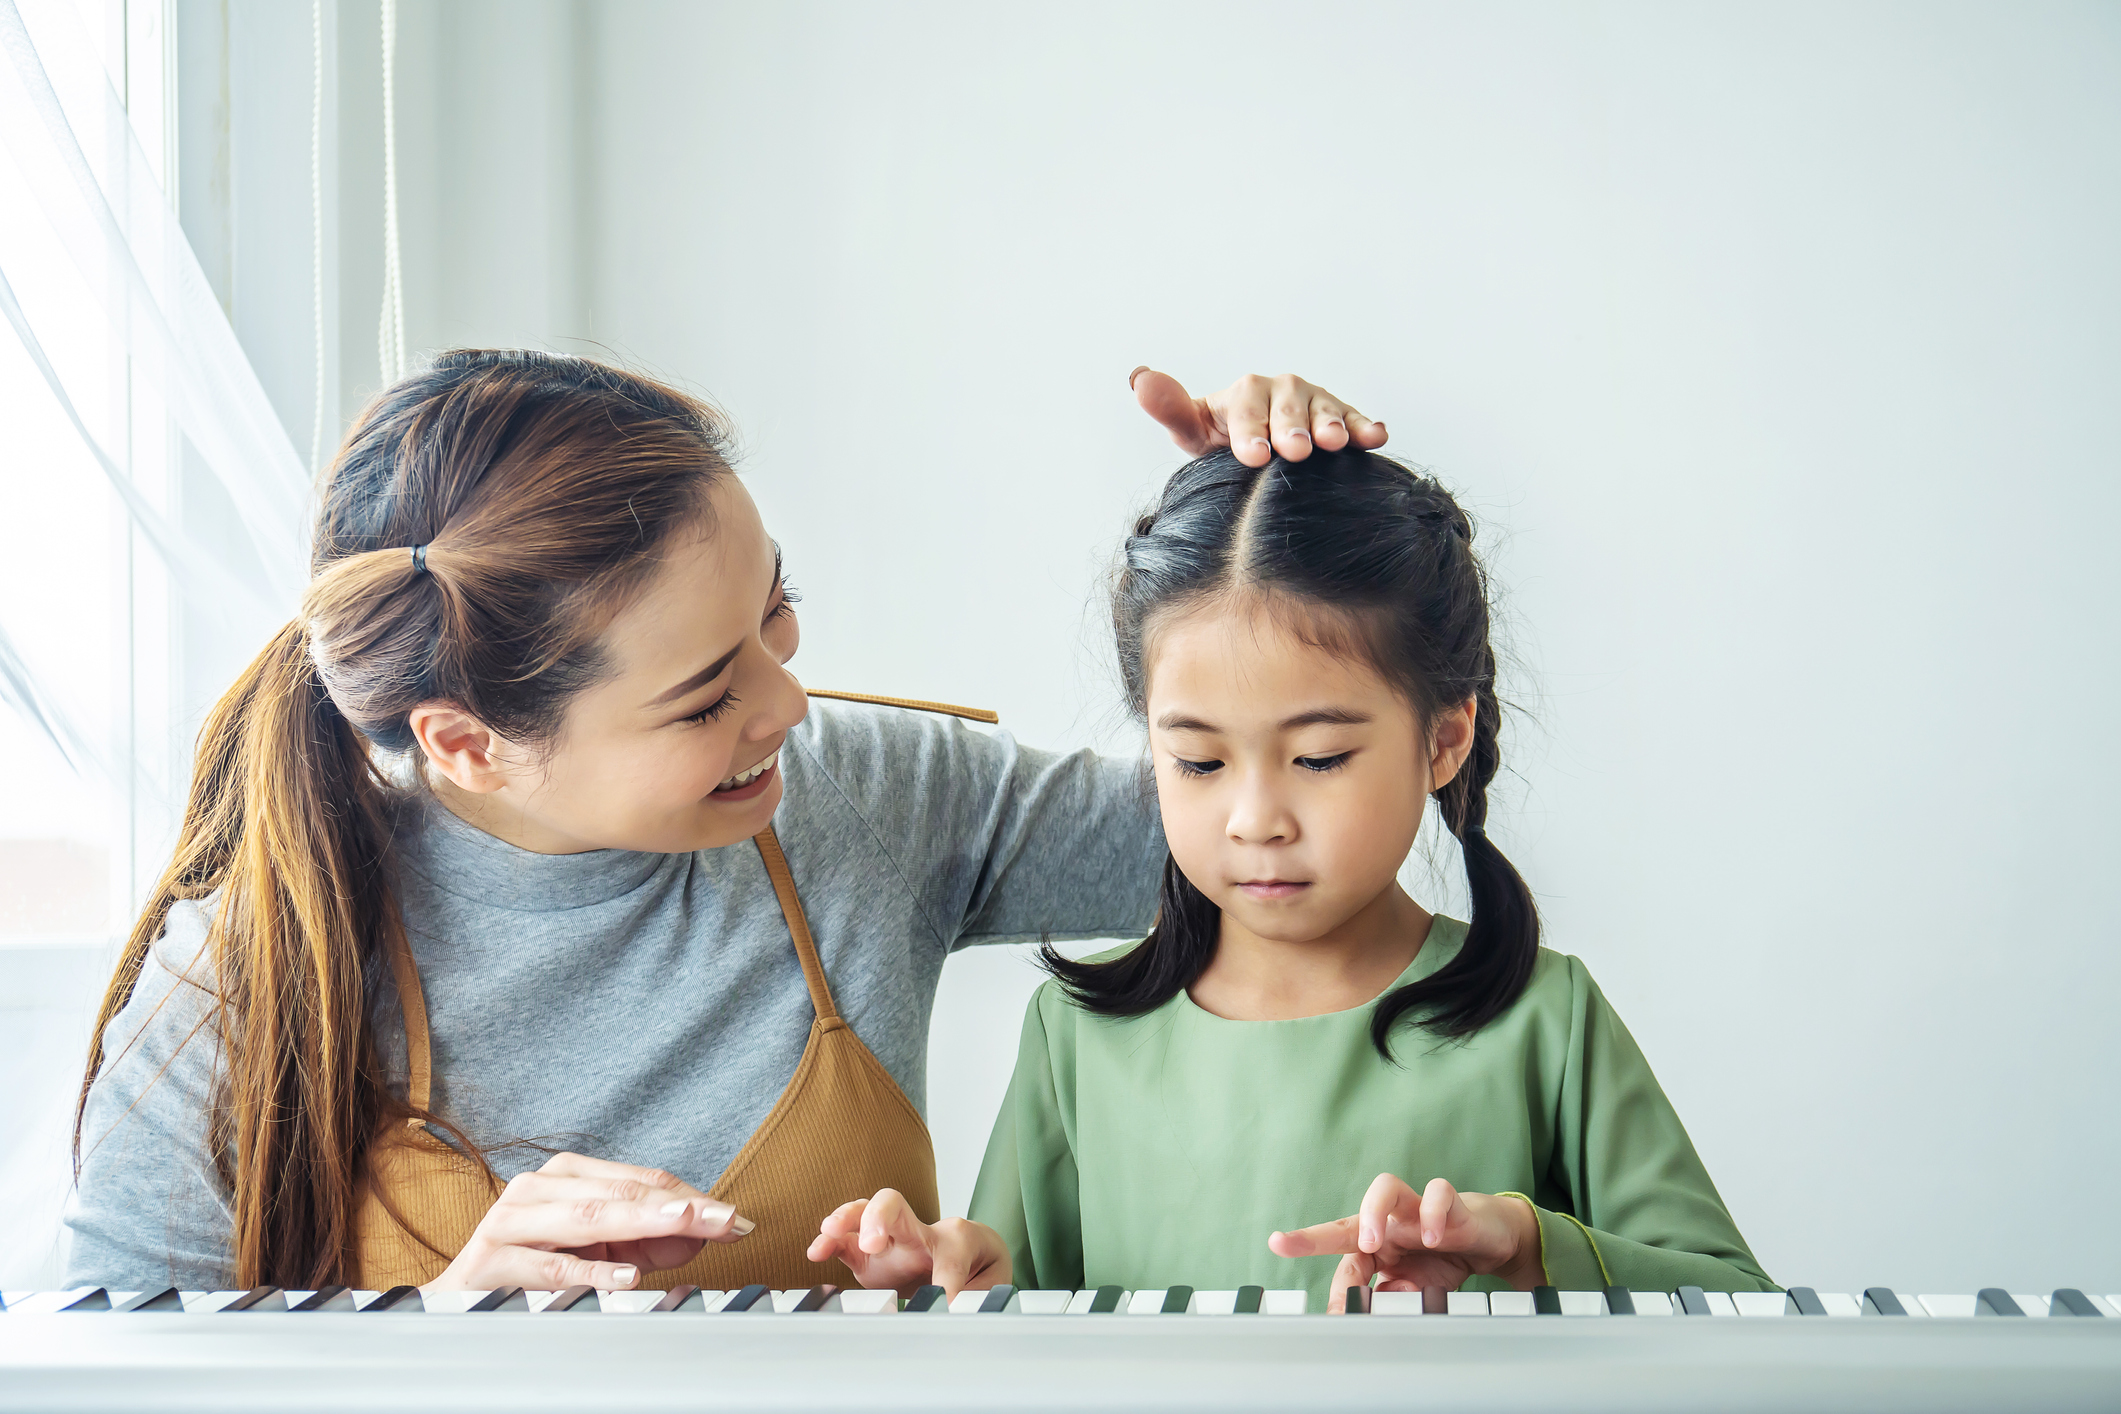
(699, 679)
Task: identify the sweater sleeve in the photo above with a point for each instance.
(1028, 1189)
(150, 1209)
(1641, 1210)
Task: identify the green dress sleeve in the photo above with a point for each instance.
(1028, 1189)
(1626, 1200)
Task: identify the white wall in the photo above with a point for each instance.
(1774, 343)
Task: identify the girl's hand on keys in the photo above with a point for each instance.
(1437, 1237)
(884, 1243)
(1255, 416)
(579, 1221)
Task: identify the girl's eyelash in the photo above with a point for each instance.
(713, 711)
(1323, 764)
(1195, 768)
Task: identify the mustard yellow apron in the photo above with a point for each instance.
(843, 1129)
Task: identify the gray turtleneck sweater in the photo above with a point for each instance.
(646, 1007)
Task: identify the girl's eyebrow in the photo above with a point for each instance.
(1316, 717)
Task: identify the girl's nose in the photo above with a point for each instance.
(1258, 816)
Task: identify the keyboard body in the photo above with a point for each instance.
(1148, 1351)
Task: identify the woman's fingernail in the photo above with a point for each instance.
(1136, 374)
(1302, 432)
(1378, 425)
(1259, 442)
(626, 1276)
(741, 1226)
(1336, 422)
(671, 1210)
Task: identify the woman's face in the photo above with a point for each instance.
(1291, 779)
(678, 748)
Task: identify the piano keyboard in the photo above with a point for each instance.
(1614, 1350)
(1109, 1300)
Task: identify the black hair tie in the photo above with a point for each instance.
(419, 559)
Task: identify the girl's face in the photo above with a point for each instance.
(649, 758)
(1291, 778)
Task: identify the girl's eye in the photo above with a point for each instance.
(790, 596)
(713, 711)
(1323, 764)
(1195, 768)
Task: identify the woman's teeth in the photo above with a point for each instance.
(745, 778)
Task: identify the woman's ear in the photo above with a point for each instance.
(460, 747)
(1450, 742)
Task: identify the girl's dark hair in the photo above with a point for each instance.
(541, 488)
(1365, 556)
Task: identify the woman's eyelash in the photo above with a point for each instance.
(1323, 764)
(1195, 768)
(713, 711)
(790, 596)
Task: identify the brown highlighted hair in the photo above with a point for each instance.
(542, 487)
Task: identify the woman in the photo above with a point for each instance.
(521, 840)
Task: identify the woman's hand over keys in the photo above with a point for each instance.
(579, 1221)
(1437, 1237)
(884, 1243)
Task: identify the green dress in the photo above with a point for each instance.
(1161, 1150)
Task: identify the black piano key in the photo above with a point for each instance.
(1248, 1299)
(997, 1300)
(1619, 1301)
(751, 1298)
(815, 1298)
(681, 1298)
(1693, 1301)
(402, 1299)
(1106, 1301)
(928, 1299)
(2068, 1301)
(1546, 1301)
(502, 1298)
(330, 1298)
(1995, 1301)
(97, 1300)
(259, 1298)
(1880, 1301)
(1357, 1301)
(1177, 1299)
(576, 1298)
(1807, 1301)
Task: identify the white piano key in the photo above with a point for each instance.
(1395, 1303)
(2031, 1305)
(1466, 1303)
(636, 1303)
(784, 1301)
(1720, 1303)
(1583, 1303)
(1651, 1303)
(1285, 1303)
(1511, 1303)
(1761, 1303)
(1841, 1303)
(538, 1300)
(1043, 1303)
(360, 1298)
(447, 1303)
(39, 1303)
(2108, 1305)
(1145, 1303)
(205, 1303)
(1947, 1304)
(1213, 1303)
(10, 1299)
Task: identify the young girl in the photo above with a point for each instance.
(1309, 649)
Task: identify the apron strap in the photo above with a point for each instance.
(412, 1001)
(798, 926)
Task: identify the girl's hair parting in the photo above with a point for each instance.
(482, 524)
(1364, 556)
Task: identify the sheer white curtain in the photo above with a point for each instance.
(118, 370)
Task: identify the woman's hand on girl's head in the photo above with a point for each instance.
(1256, 417)
(885, 1244)
(1435, 1238)
(579, 1221)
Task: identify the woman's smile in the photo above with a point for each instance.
(750, 782)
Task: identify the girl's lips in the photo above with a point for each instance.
(1273, 889)
(752, 789)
